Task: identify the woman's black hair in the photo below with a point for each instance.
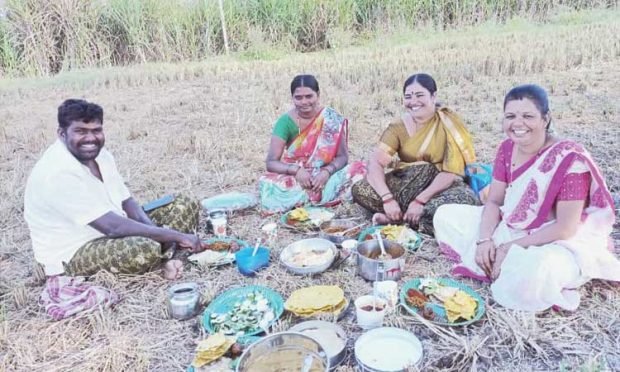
(534, 93)
(308, 81)
(424, 80)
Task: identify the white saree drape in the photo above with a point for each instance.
(537, 277)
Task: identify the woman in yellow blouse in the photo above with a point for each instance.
(433, 148)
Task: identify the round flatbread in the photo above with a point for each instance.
(315, 298)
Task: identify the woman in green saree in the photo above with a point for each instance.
(308, 157)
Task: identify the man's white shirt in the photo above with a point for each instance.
(62, 197)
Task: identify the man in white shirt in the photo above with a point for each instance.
(81, 215)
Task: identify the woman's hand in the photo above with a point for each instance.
(304, 178)
(319, 181)
(413, 213)
(485, 256)
(392, 210)
(500, 255)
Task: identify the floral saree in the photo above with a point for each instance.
(316, 146)
(537, 277)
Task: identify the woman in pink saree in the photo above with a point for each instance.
(308, 157)
(545, 229)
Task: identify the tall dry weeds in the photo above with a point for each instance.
(40, 37)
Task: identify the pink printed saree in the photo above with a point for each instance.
(538, 277)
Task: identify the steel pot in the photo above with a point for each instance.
(369, 268)
(293, 348)
(183, 300)
(334, 359)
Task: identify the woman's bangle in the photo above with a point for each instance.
(390, 199)
(416, 200)
(386, 194)
(480, 241)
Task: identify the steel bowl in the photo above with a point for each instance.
(338, 238)
(372, 269)
(258, 356)
(315, 243)
(336, 358)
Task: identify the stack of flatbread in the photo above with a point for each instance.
(314, 300)
(460, 305)
(212, 349)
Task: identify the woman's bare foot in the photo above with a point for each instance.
(380, 219)
(173, 269)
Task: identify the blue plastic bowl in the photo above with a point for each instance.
(247, 264)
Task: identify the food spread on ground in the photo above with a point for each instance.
(400, 234)
(209, 257)
(247, 315)
(221, 245)
(212, 348)
(308, 216)
(305, 256)
(298, 215)
(310, 301)
(343, 231)
(458, 304)
(219, 251)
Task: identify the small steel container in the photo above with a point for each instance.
(217, 219)
(183, 300)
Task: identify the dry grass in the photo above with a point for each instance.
(203, 128)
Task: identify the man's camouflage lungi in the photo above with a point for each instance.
(135, 254)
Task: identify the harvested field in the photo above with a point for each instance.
(203, 128)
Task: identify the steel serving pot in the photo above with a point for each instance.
(266, 350)
(336, 359)
(369, 268)
(183, 300)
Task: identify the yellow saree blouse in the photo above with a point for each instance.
(443, 141)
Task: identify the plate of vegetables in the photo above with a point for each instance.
(442, 301)
(244, 311)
